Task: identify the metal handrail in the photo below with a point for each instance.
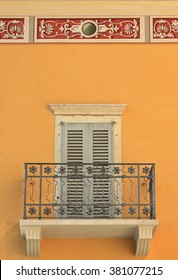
(89, 190)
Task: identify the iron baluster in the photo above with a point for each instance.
(25, 191)
(40, 194)
(138, 166)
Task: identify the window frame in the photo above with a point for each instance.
(88, 113)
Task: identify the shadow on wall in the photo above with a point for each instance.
(86, 249)
(14, 244)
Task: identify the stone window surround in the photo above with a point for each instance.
(88, 113)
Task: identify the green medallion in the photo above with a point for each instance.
(89, 28)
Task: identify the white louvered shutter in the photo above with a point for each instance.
(73, 155)
(102, 154)
(87, 143)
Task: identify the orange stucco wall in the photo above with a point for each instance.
(144, 76)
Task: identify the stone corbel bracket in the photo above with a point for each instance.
(33, 236)
(143, 236)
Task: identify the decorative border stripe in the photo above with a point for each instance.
(164, 29)
(14, 30)
(127, 29)
(134, 29)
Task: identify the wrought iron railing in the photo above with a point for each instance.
(97, 190)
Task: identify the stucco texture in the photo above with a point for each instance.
(143, 76)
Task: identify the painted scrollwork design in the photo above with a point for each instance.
(11, 29)
(109, 28)
(165, 28)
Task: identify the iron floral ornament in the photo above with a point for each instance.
(70, 29)
(32, 210)
(33, 169)
(47, 211)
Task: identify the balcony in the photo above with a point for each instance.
(76, 200)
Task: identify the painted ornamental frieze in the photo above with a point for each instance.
(135, 29)
(92, 29)
(14, 30)
(164, 29)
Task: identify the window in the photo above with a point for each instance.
(85, 143)
(87, 134)
(88, 113)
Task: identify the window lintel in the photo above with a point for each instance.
(88, 109)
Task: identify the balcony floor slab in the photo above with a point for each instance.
(87, 228)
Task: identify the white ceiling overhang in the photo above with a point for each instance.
(87, 7)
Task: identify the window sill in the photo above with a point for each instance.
(141, 230)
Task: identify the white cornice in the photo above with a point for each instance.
(87, 109)
(87, 7)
